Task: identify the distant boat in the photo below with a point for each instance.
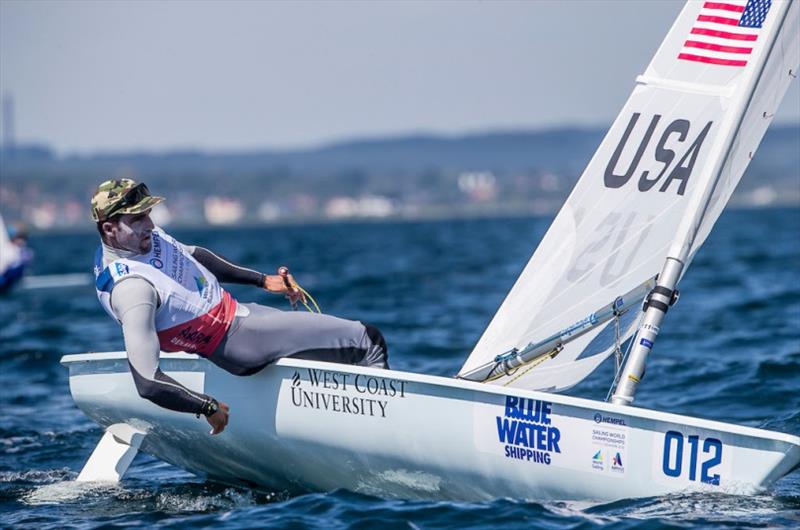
(604, 276)
(13, 260)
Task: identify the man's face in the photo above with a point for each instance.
(131, 232)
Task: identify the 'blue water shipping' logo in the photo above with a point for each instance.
(526, 429)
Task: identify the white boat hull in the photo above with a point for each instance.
(303, 425)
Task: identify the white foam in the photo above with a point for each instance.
(67, 491)
(400, 481)
(230, 498)
(417, 480)
(37, 476)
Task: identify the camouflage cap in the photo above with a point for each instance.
(119, 196)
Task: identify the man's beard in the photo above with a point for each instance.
(146, 245)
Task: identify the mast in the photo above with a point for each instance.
(665, 294)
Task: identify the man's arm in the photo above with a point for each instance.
(134, 301)
(224, 270)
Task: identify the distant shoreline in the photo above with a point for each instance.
(89, 228)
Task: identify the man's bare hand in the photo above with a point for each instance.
(219, 419)
(276, 283)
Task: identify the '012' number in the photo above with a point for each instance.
(673, 456)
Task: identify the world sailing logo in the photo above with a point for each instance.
(526, 430)
(597, 461)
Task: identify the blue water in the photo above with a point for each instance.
(730, 350)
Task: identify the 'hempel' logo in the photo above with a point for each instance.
(527, 431)
(599, 418)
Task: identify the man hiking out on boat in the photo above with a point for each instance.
(167, 296)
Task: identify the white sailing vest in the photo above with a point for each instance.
(194, 313)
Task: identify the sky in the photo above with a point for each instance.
(112, 76)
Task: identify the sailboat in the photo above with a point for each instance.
(13, 260)
(599, 286)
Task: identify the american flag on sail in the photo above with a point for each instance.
(725, 32)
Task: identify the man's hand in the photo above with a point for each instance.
(276, 283)
(219, 419)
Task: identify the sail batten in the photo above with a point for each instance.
(685, 87)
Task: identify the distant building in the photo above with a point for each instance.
(222, 210)
(368, 206)
(480, 186)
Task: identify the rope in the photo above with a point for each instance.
(308, 296)
(617, 345)
(290, 283)
(532, 365)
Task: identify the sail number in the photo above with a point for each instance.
(673, 462)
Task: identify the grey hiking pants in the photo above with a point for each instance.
(266, 334)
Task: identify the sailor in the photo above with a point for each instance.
(167, 296)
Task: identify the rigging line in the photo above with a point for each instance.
(617, 349)
(534, 364)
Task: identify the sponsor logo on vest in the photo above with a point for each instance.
(526, 430)
(122, 269)
(156, 246)
(201, 283)
(357, 394)
(157, 263)
(177, 263)
(191, 339)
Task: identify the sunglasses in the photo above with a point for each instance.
(132, 197)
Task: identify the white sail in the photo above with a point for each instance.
(645, 193)
(9, 252)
